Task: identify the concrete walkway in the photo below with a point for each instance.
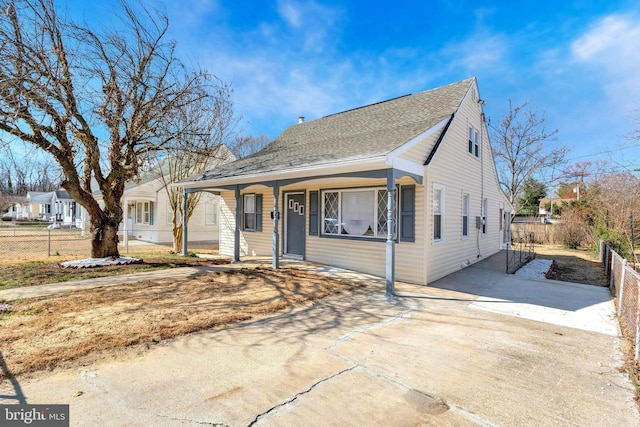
(432, 356)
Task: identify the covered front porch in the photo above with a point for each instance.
(295, 203)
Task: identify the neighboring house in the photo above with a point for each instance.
(39, 205)
(149, 216)
(422, 163)
(54, 206)
(64, 209)
(17, 208)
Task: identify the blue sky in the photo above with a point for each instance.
(576, 61)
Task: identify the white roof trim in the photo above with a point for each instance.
(393, 155)
(408, 166)
(326, 169)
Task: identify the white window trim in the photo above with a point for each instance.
(476, 140)
(442, 213)
(245, 212)
(375, 190)
(468, 207)
(143, 213)
(214, 205)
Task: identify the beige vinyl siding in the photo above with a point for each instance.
(357, 254)
(251, 242)
(418, 153)
(460, 172)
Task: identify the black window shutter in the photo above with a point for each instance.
(408, 213)
(313, 213)
(258, 212)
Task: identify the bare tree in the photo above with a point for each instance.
(614, 199)
(33, 173)
(247, 145)
(520, 149)
(206, 126)
(98, 103)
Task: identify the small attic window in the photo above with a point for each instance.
(474, 94)
(474, 140)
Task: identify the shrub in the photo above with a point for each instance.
(574, 229)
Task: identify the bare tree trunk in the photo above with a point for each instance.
(104, 239)
(177, 238)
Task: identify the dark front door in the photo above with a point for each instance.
(295, 221)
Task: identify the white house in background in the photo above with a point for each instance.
(406, 188)
(54, 206)
(148, 214)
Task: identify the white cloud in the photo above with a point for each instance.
(610, 48)
(290, 13)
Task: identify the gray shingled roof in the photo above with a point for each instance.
(370, 131)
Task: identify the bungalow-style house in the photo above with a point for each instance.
(56, 207)
(405, 188)
(149, 215)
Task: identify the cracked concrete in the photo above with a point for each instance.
(453, 354)
(297, 395)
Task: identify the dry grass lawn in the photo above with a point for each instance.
(79, 328)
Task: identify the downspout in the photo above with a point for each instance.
(483, 214)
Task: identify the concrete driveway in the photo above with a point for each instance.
(476, 348)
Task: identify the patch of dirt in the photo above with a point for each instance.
(574, 265)
(43, 272)
(82, 327)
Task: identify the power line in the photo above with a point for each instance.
(636, 145)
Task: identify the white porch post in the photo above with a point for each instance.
(275, 263)
(391, 254)
(126, 225)
(236, 237)
(185, 195)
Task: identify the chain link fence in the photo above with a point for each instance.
(24, 240)
(624, 282)
(27, 241)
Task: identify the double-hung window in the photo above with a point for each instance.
(438, 213)
(465, 215)
(249, 211)
(211, 213)
(144, 213)
(474, 140)
(356, 212)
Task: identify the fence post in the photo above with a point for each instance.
(613, 265)
(601, 251)
(49, 242)
(621, 293)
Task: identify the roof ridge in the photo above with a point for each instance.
(368, 105)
